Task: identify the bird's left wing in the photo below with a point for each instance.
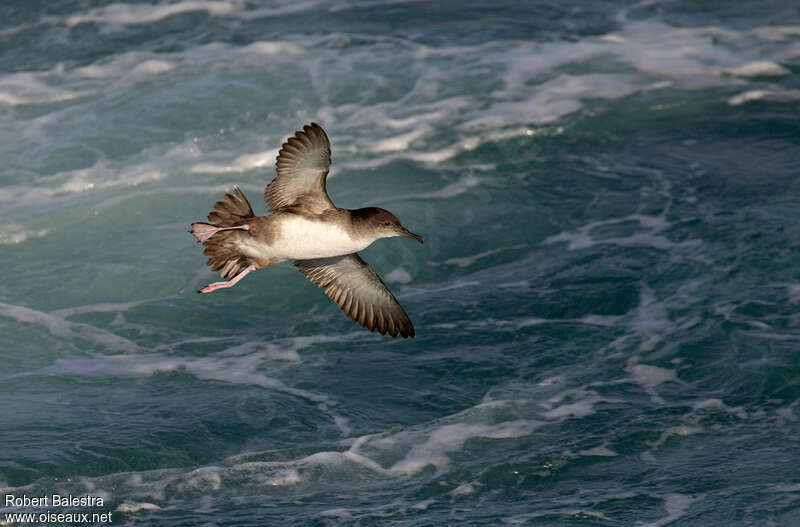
(358, 290)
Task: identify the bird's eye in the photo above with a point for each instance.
(387, 222)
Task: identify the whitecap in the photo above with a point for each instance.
(283, 478)
(398, 275)
(759, 68)
(765, 95)
(130, 508)
(463, 490)
(650, 377)
(577, 409)
(153, 67)
(423, 505)
(273, 48)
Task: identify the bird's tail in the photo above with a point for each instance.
(232, 211)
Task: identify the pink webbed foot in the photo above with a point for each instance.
(213, 287)
(203, 231)
(230, 283)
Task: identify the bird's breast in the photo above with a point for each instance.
(300, 238)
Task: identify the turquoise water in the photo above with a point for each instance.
(606, 303)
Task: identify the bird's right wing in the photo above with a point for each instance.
(358, 290)
(302, 166)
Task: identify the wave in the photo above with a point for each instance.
(437, 120)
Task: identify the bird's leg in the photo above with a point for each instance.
(230, 283)
(203, 231)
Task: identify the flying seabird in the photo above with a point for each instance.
(305, 226)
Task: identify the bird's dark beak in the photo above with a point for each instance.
(406, 232)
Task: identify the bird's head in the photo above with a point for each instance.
(384, 223)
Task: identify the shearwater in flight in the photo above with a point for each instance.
(305, 226)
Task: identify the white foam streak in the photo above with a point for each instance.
(103, 307)
(570, 515)
(242, 163)
(650, 377)
(432, 444)
(59, 327)
(450, 438)
(148, 167)
(397, 276)
(716, 404)
(14, 233)
(130, 508)
(400, 142)
(18, 89)
(119, 73)
(758, 68)
(152, 67)
(90, 178)
(234, 370)
(582, 403)
(137, 14)
(583, 238)
(598, 451)
(683, 58)
(466, 261)
(209, 190)
(783, 96)
(553, 99)
(676, 506)
(453, 189)
(273, 49)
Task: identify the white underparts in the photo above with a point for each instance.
(299, 238)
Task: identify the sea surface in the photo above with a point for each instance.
(607, 303)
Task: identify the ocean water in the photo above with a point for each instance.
(606, 303)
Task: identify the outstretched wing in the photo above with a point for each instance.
(303, 164)
(358, 290)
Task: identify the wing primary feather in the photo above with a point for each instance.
(302, 168)
(352, 284)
